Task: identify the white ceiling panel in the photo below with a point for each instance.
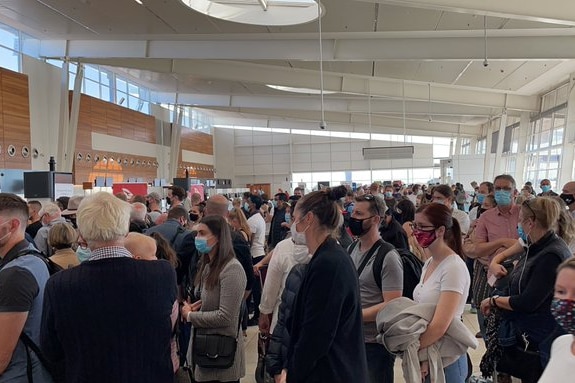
(525, 74)
(465, 21)
(394, 18)
(481, 76)
(397, 69)
(444, 72)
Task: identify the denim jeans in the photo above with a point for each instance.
(456, 372)
(379, 363)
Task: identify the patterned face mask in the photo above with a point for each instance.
(563, 310)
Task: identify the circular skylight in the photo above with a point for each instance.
(258, 12)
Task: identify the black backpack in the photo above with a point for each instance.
(412, 266)
(53, 267)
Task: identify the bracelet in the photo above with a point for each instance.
(493, 302)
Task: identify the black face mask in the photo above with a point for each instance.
(398, 217)
(168, 201)
(356, 226)
(194, 217)
(428, 196)
(567, 198)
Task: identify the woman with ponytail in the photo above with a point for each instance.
(326, 343)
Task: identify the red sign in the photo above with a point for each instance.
(130, 189)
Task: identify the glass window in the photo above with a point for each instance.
(121, 85)
(122, 99)
(133, 90)
(9, 37)
(91, 88)
(9, 59)
(557, 136)
(91, 73)
(105, 93)
(105, 78)
(56, 63)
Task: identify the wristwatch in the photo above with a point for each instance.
(493, 301)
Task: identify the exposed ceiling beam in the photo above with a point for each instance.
(307, 102)
(352, 122)
(335, 82)
(556, 11)
(555, 44)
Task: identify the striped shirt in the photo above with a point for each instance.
(109, 252)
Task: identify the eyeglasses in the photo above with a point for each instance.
(416, 227)
(526, 203)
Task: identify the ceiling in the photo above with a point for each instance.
(413, 66)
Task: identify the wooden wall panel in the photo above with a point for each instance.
(15, 119)
(195, 141)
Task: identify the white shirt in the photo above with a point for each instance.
(286, 255)
(450, 275)
(463, 220)
(258, 228)
(562, 362)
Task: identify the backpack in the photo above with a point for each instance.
(52, 266)
(412, 266)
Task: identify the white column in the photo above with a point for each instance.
(499, 166)
(521, 157)
(175, 142)
(566, 168)
(487, 168)
(64, 118)
(473, 146)
(73, 123)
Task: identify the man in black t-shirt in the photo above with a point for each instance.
(22, 281)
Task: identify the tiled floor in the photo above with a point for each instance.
(470, 321)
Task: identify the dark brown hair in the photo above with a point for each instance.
(440, 215)
(224, 252)
(164, 250)
(322, 204)
(444, 190)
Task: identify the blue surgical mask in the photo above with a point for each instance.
(288, 217)
(480, 198)
(388, 194)
(275, 203)
(246, 206)
(521, 233)
(202, 245)
(546, 188)
(503, 197)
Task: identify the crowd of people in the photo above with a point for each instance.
(340, 282)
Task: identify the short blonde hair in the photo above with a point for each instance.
(62, 236)
(102, 217)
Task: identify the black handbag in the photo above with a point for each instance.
(521, 362)
(213, 350)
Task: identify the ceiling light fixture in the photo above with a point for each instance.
(258, 12)
(139, 2)
(299, 90)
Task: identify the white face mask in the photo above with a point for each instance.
(298, 237)
(301, 254)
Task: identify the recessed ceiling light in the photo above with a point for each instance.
(139, 2)
(299, 90)
(258, 12)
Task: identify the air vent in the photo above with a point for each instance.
(388, 153)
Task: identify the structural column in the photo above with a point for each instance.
(499, 166)
(521, 157)
(487, 169)
(566, 173)
(175, 141)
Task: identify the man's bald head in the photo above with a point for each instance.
(217, 205)
(141, 246)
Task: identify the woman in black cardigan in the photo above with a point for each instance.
(326, 333)
(531, 283)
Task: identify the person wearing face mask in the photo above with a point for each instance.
(546, 191)
(364, 223)
(284, 257)
(484, 189)
(495, 231)
(568, 196)
(527, 306)
(443, 194)
(326, 336)
(444, 281)
(388, 197)
(562, 361)
(220, 282)
(277, 231)
(23, 277)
